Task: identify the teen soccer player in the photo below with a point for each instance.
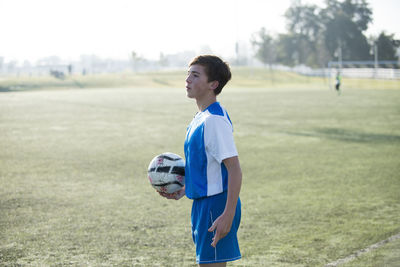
(338, 81)
(213, 176)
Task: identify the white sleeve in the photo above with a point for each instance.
(218, 138)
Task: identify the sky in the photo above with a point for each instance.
(33, 29)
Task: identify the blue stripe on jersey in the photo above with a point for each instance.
(198, 166)
(216, 109)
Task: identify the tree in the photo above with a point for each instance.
(359, 12)
(315, 35)
(300, 44)
(303, 20)
(135, 61)
(265, 48)
(287, 50)
(344, 23)
(163, 60)
(387, 46)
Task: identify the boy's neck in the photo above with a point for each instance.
(205, 103)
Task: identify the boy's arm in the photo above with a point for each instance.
(222, 225)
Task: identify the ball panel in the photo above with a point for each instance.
(179, 170)
(166, 172)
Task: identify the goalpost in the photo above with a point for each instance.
(386, 70)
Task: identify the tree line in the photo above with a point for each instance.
(318, 35)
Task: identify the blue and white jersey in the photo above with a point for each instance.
(209, 140)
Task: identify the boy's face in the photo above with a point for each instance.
(197, 84)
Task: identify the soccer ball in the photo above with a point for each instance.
(166, 172)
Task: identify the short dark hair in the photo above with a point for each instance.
(216, 70)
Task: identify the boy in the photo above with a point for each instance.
(213, 176)
(338, 81)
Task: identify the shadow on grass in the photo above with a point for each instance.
(5, 89)
(10, 255)
(19, 88)
(346, 135)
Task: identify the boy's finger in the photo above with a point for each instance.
(212, 228)
(215, 240)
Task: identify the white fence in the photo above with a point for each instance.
(366, 73)
(379, 73)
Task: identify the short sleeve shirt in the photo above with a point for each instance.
(209, 140)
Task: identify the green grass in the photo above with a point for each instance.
(243, 77)
(388, 255)
(120, 80)
(321, 173)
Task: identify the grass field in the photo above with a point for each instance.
(243, 78)
(321, 171)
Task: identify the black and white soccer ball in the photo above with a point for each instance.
(166, 172)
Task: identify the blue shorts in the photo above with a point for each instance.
(204, 212)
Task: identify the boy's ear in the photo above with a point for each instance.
(214, 85)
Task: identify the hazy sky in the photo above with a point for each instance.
(31, 29)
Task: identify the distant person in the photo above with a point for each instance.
(338, 82)
(70, 69)
(213, 176)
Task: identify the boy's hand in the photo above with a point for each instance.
(222, 225)
(177, 195)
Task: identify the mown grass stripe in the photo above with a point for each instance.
(360, 252)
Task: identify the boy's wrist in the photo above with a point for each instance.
(229, 214)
